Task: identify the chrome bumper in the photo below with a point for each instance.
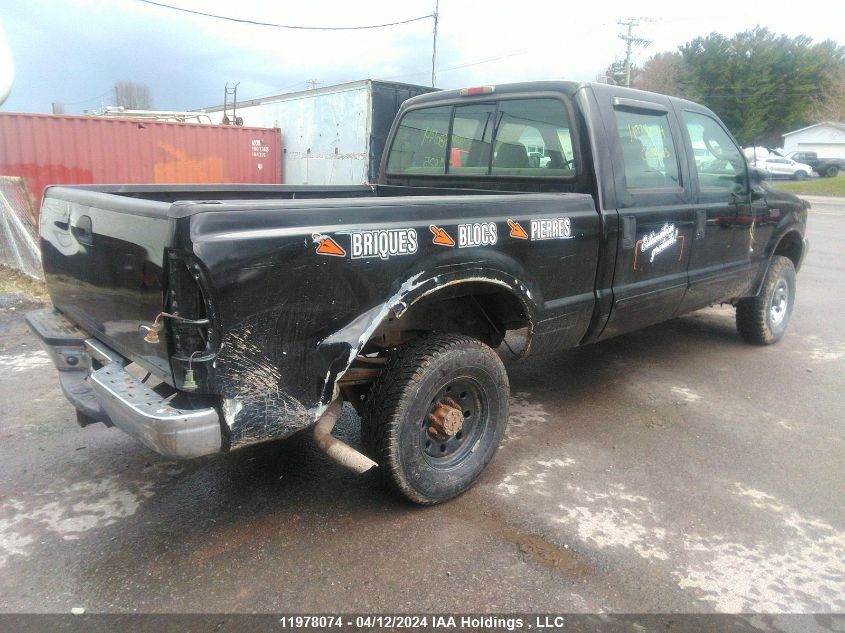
(95, 381)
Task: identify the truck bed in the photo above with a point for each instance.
(291, 281)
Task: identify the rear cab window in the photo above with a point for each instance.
(508, 138)
(419, 146)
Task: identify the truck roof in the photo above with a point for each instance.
(568, 87)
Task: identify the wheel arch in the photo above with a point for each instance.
(478, 305)
(791, 245)
(505, 296)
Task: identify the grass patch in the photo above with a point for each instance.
(815, 187)
(14, 281)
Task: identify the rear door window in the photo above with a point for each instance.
(648, 150)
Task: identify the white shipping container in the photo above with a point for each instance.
(330, 136)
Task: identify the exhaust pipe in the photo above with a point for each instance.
(337, 450)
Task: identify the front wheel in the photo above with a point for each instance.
(762, 320)
(800, 175)
(435, 416)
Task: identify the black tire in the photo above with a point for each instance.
(800, 175)
(417, 379)
(832, 171)
(762, 320)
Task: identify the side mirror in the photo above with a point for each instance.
(757, 175)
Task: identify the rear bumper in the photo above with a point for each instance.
(94, 379)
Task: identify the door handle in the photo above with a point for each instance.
(629, 231)
(700, 223)
(82, 230)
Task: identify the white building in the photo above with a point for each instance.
(826, 139)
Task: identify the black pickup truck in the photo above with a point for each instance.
(829, 167)
(530, 217)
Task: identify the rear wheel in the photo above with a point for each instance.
(435, 416)
(832, 171)
(762, 320)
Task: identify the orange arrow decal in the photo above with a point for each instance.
(516, 230)
(327, 246)
(441, 237)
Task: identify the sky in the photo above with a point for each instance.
(73, 51)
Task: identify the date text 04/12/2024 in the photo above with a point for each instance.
(509, 623)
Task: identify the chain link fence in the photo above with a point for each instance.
(18, 233)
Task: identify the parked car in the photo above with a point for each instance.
(256, 311)
(782, 167)
(829, 167)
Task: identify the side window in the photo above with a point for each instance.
(721, 166)
(533, 139)
(419, 146)
(651, 161)
(472, 139)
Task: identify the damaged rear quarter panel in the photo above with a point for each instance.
(291, 321)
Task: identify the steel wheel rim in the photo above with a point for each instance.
(451, 451)
(779, 303)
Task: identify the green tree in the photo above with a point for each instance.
(616, 72)
(665, 73)
(833, 107)
(759, 83)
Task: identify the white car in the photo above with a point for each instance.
(780, 167)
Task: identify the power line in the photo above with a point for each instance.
(287, 26)
(408, 74)
(444, 69)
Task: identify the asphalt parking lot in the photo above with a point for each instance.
(674, 469)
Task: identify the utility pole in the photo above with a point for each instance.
(630, 41)
(313, 84)
(436, 17)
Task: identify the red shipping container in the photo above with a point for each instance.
(47, 149)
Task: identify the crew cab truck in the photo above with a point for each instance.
(829, 167)
(202, 319)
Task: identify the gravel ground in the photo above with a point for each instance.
(673, 469)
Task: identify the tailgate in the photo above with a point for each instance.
(103, 257)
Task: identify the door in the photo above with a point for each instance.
(719, 266)
(654, 213)
(780, 167)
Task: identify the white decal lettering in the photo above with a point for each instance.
(383, 243)
(551, 229)
(477, 234)
(659, 241)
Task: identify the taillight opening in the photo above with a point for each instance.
(186, 299)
